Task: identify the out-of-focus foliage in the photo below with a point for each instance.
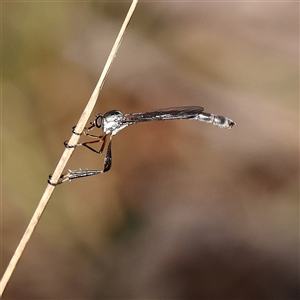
(187, 211)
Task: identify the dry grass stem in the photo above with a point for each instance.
(66, 154)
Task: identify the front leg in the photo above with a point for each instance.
(100, 137)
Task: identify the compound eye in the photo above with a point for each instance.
(98, 121)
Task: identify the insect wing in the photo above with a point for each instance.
(172, 113)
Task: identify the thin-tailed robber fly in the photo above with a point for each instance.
(114, 121)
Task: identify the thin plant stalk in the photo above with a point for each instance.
(66, 154)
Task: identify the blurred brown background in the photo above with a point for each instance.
(188, 211)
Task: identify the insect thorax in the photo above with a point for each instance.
(112, 122)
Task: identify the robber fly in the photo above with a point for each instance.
(114, 121)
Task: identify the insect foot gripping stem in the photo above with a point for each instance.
(73, 174)
(73, 131)
(66, 144)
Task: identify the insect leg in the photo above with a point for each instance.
(102, 139)
(74, 174)
(86, 128)
(86, 144)
(108, 157)
(84, 132)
